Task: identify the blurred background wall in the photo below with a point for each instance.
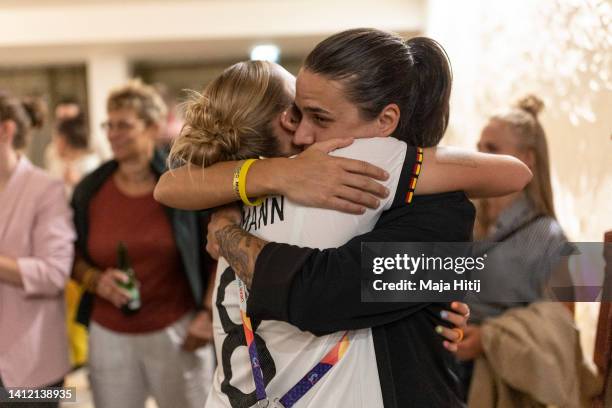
(560, 50)
(83, 48)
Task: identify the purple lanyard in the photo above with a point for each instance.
(316, 373)
(306, 382)
(260, 387)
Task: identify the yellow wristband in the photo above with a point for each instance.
(236, 180)
(244, 169)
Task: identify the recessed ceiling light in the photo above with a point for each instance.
(265, 52)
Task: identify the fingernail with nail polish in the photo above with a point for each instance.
(439, 329)
(444, 314)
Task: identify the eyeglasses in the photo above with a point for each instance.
(121, 126)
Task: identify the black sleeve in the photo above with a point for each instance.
(320, 290)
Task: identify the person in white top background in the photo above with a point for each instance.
(69, 159)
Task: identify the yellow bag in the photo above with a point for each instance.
(77, 333)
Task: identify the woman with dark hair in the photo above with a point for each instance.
(36, 254)
(381, 76)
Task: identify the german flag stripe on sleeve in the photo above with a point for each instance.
(416, 170)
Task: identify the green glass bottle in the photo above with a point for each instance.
(123, 264)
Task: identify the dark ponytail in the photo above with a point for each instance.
(378, 68)
(429, 91)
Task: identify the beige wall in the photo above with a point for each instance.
(57, 30)
(50, 83)
(503, 50)
(108, 36)
(561, 52)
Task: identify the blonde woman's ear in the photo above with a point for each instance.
(288, 122)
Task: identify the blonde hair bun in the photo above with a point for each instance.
(205, 137)
(531, 104)
(232, 118)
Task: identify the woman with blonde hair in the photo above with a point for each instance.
(518, 132)
(238, 116)
(245, 114)
(36, 254)
(155, 342)
(531, 241)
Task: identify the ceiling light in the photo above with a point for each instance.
(265, 52)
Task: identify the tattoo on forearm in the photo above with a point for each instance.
(241, 250)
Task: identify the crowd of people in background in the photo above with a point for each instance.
(63, 297)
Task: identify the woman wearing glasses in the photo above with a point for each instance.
(163, 349)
